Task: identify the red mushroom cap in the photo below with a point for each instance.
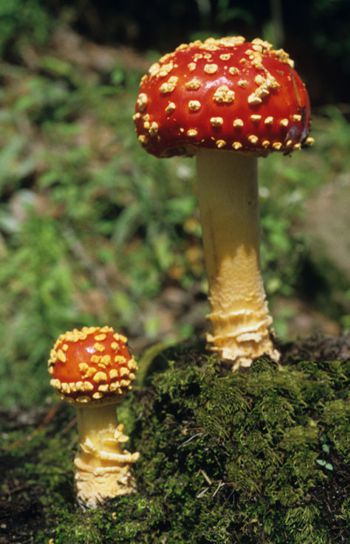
(91, 364)
(222, 94)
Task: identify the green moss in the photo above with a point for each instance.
(258, 457)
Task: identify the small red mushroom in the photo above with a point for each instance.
(227, 101)
(92, 368)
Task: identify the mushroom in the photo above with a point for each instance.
(92, 368)
(227, 101)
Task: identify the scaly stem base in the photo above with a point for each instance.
(102, 466)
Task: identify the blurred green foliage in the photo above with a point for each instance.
(95, 231)
(23, 22)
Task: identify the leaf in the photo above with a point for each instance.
(325, 448)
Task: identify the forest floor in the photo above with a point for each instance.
(174, 421)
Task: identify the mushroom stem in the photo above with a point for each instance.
(102, 466)
(229, 210)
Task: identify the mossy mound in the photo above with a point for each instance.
(256, 457)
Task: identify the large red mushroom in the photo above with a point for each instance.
(227, 101)
(92, 368)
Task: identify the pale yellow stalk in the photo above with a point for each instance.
(229, 210)
(102, 465)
